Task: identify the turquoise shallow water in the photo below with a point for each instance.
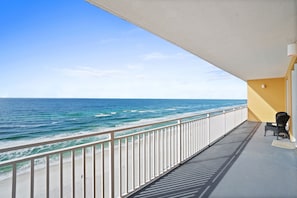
(28, 120)
(22, 119)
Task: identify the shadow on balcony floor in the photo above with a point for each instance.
(262, 170)
(199, 176)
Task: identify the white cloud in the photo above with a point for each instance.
(162, 56)
(90, 72)
(155, 56)
(134, 31)
(217, 74)
(135, 66)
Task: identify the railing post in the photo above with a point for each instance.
(179, 141)
(111, 162)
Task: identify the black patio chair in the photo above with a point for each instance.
(279, 127)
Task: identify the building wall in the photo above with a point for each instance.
(264, 102)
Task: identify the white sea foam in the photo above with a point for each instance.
(160, 119)
(147, 111)
(14, 143)
(102, 115)
(10, 143)
(170, 109)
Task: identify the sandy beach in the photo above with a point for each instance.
(23, 179)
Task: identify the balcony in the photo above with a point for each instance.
(178, 157)
(242, 164)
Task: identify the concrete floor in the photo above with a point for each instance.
(242, 164)
(261, 170)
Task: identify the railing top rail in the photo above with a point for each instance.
(120, 129)
(40, 155)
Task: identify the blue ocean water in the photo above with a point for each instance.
(25, 121)
(28, 119)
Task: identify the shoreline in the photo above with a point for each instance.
(23, 179)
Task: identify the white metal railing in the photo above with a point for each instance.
(116, 165)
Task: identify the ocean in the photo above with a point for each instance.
(30, 120)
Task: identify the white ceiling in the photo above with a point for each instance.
(247, 38)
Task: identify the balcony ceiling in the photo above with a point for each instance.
(245, 38)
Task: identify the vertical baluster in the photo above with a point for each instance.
(127, 169)
(199, 134)
(225, 127)
(139, 160)
(144, 158)
(159, 150)
(171, 147)
(32, 179)
(102, 170)
(61, 174)
(168, 148)
(192, 137)
(174, 145)
(182, 138)
(73, 172)
(179, 139)
(13, 183)
(185, 146)
(83, 172)
(132, 163)
(208, 128)
(111, 165)
(163, 150)
(189, 139)
(149, 156)
(47, 175)
(154, 154)
(94, 170)
(186, 140)
(195, 136)
(120, 167)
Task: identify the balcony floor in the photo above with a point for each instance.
(242, 164)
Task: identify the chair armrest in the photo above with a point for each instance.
(270, 124)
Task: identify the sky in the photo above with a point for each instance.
(72, 49)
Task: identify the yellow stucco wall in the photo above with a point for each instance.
(263, 103)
